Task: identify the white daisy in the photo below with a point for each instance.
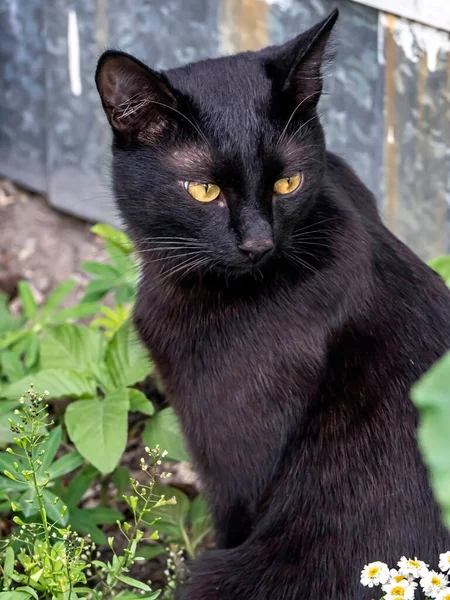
(399, 589)
(395, 575)
(444, 561)
(432, 583)
(414, 567)
(444, 594)
(375, 573)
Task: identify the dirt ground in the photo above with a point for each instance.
(40, 244)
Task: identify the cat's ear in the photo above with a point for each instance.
(136, 99)
(300, 62)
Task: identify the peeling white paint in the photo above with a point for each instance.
(73, 47)
(435, 13)
(380, 38)
(415, 39)
(283, 4)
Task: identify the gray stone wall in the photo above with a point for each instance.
(387, 110)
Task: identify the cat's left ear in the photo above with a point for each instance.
(300, 62)
(138, 101)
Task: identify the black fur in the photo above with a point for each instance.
(290, 377)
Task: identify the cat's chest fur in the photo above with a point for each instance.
(239, 377)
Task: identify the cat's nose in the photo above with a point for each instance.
(256, 249)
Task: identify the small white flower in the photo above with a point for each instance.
(414, 567)
(400, 589)
(433, 583)
(444, 594)
(395, 575)
(375, 573)
(444, 561)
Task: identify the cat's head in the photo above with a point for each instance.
(216, 164)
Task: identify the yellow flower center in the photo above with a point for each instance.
(373, 571)
(435, 580)
(398, 590)
(414, 563)
(398, 578)
(446, 597)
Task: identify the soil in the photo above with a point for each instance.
(40, 244)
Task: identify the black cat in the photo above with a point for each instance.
(287, 322)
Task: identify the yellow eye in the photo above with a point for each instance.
(287, 184)
(203, 192)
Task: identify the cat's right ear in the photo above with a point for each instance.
(137, 100)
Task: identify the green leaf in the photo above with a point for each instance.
(61, 383)
(29, 304)
(135, 583)
(12, 337)
(6, 406)
(7, 461)
(79, 485)
(163, 429)
(149, 552)
(115, 235)
(140, 403)
(8, 563)
(121, 479)
(97, 289)
(6, 435)
(11, 365)
(99, 428)
(172, 516)
(83, 523)
(7, 321)
(120, 259)
(54, 510)
(81, 311)
(50, 447)
(12, 486)
(26, 588)
(200, 519)
(102, 515)
(56, 297)
(23, 595)
(432, 397)
(103, 270)
(32, 350)
(442, 266)
(71, 346)
(126, 358)
(128, 596)
(67, 463)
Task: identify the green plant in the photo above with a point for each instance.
(121, 275)
(79, 363)
(47, 559)
(95, 372)
(22, 336)
(431, 395)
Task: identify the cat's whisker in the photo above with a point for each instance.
(176, 256)
(171, 248)
(186, 264)
(303, 125)
(316, 223)
(280, 139)
(186, 267)
(199, 131)
(312, 243)
(303, 263)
